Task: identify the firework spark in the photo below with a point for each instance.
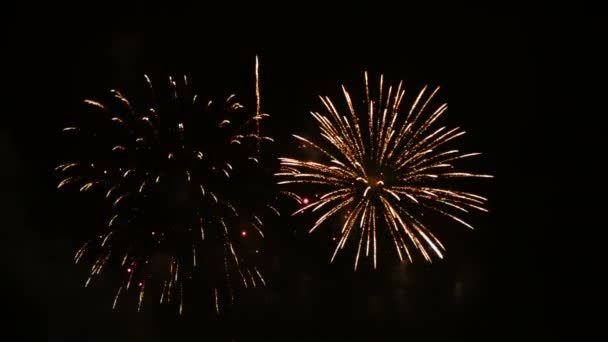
(166, 173)
(383, 169)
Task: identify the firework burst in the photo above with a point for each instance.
(382, 170)
(167, 173)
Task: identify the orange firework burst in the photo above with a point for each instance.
(383, 168)
(166, 168)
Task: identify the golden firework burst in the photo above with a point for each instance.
(383, 168)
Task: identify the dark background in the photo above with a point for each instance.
(489, 64)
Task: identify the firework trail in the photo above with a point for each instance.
(383, 167)
(166, 170)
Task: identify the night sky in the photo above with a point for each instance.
(486, 63)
